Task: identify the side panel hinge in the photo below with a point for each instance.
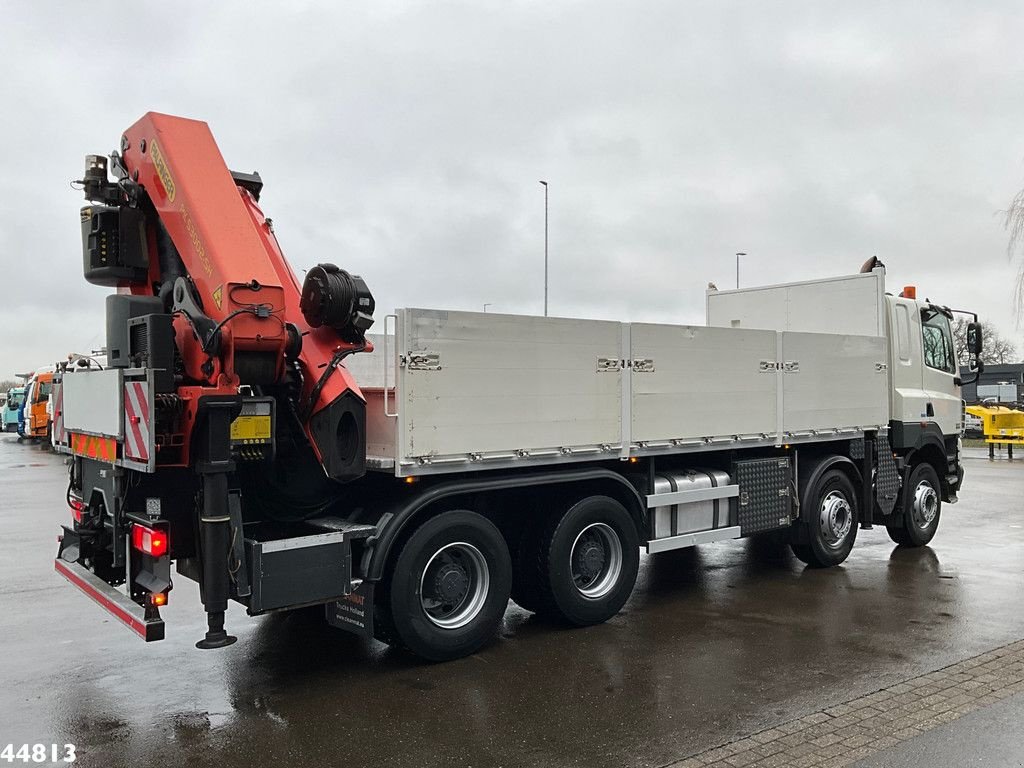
(421, 361)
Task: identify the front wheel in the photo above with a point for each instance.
(448, 589)
(828, 534)
(922, 507)
(581, 566)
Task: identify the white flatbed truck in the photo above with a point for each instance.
(460, 459)
(533, 457)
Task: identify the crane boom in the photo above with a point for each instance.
(212, 256)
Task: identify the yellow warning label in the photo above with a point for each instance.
(218, 295)
(250, 428)
(162, 171)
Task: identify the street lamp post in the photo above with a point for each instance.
(545, 247)
(738, 254)
(486, 306)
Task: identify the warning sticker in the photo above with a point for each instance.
(218, 296)
(162, 171)
(246, 428)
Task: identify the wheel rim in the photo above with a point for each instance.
(926, 504)
(454, 585)
(596, 560)
(835, 518)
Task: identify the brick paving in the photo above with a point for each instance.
(848, 732)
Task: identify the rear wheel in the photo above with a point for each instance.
(828, 535)
(448, 588)
(922, 507)
(581, 566)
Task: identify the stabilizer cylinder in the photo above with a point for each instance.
(215, 537)
(215, 518)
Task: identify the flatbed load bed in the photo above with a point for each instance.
(455, 391)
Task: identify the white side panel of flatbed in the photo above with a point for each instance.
(505, 384)
(852, 304)
(834, 382)
(368, 367)
(381, 430)
(468, 391)
(703, 383)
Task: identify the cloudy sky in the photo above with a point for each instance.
(405, 141)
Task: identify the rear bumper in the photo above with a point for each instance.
(115, 602)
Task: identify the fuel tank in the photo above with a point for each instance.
(696, 516)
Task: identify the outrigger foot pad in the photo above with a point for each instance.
(216, 640)
(216, 637)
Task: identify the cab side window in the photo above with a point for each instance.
(938, 341)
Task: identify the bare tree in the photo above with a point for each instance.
(1014, 223)
(6, 384)
(997, 350)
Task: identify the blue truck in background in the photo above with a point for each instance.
(12, 408)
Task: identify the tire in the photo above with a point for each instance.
(898, 534)
(448, 589)
(829, 535)
(802, 552)
(581, 566)
(922, 508)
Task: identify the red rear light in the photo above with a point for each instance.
(148, 541)
(77, 509)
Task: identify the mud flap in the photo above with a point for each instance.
(354, 612)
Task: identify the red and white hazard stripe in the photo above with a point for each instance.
(137, 427)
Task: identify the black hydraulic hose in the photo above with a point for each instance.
(222, 323)
(71, 484)
(322, 381)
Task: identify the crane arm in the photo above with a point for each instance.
(191, 233)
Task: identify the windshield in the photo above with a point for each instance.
(938, 341)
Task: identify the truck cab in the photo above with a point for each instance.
(925, 406)
(24, 409)
(15, 397)
(37, 417)
(927, 410)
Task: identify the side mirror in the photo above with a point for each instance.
(974, 347)
(974, 339)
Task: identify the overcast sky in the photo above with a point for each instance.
(405, 142)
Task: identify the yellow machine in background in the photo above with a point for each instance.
(1000, 425)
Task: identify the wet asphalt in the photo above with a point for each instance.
(716, 643)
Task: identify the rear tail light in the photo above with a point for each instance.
(77, 509)
(148, 541)
(158, 599)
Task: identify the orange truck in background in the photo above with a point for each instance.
(37, 414)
